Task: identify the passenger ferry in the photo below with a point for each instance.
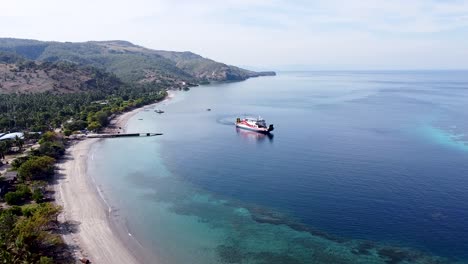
(254, 124)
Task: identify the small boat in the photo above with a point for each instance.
(159, 111)
(209, 109)
(254, 124)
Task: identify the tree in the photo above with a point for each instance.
(101, 117)
(3, 149)
(76, 125)
(48, 136)
(52, 149)
(4, 122)
(24, 237)
(93, 126)
(19, 142)
(19, 196)
(36, 168)
(7, 223)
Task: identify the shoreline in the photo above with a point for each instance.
(91, 230)
(119, 123)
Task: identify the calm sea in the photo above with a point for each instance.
(361, 167)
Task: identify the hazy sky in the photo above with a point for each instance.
(328, 34)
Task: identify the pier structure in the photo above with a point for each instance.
(124, 135)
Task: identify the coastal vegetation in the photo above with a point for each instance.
(29, 230)
(46, 111)
(26, 236)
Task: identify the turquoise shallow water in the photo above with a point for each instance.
(363, 167)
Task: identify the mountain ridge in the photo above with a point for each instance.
(132, 63)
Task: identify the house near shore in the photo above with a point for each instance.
(11, 136)
(7, 181)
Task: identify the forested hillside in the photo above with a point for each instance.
(40, 96)
(130, 62)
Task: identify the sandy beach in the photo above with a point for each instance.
(92, 234)
(84, 211)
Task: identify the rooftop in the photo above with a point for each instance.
(11, 136)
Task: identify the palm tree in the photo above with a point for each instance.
(19, 142)
(3, 149)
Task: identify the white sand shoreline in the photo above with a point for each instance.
(85, 212)
(96, 236)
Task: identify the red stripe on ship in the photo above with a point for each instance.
(247, 124)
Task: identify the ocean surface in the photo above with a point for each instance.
(362, 167)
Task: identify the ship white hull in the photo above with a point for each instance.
(251, 128)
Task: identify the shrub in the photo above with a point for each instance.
(46, 260)
(16, 210)
(67, 132)
(38, 195)
(23, 190)
(51, 149)
(13, 198)
(29, 209)
(18, 162)
(21, 194)
(48, 136)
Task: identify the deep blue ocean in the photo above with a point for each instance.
(362, 167)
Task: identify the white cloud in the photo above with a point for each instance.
(357, 34)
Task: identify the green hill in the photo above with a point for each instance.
(131, 63)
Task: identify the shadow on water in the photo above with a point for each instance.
(254, 136)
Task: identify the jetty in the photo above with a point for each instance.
(124, 135)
